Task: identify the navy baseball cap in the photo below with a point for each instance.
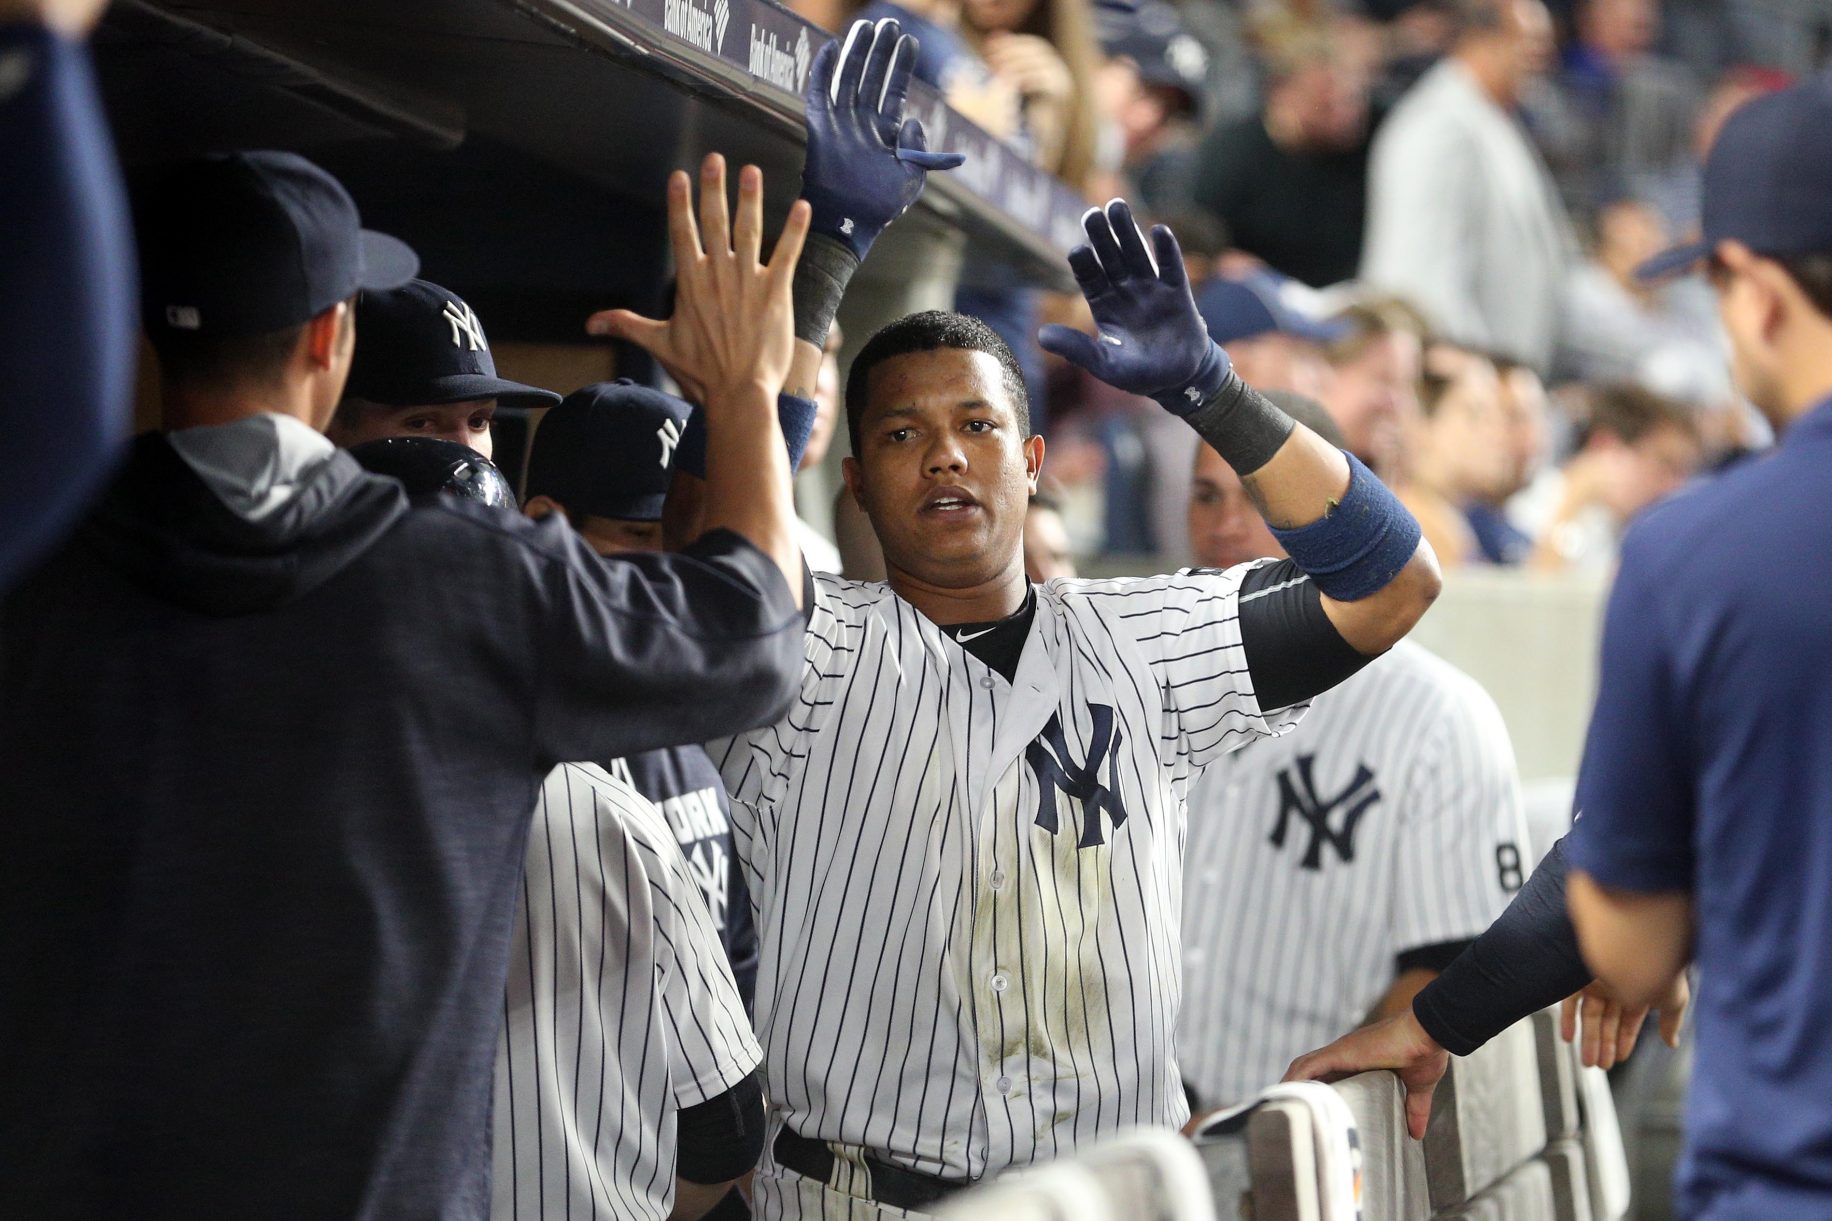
(420, 344)
(1152, 36)
(608, 450)
(1768, 180)
(425, 465)
(254, 242)
(1259, 304)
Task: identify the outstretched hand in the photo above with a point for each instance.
(1399, 1044)
(1151, 339)
(1611, 1029)
(865, 163)
(732, 323)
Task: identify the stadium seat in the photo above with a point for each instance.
(1570, 1181)
(1145, 1173)
(1604, 1160)
(1524, 1195)
(1393, 1165)
(1558, 1076)
(1487, 1119)
(1060, 1191)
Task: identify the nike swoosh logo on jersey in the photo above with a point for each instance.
(964, 637)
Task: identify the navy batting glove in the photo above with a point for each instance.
(865, 162)
(1152, 341)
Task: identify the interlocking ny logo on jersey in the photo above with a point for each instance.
(465, 325)
(1048, 755)
(1301, 799)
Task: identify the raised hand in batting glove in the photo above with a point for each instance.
(865, 162)
(1152, 341)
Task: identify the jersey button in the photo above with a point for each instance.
(1004, 1084)
(997, 879)
(986, 681)
(1000, 983)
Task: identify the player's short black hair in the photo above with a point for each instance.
(929, 331)
(194, 357)
(1812, 273)
(200, 358)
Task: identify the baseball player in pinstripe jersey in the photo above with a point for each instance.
(625, 1045)
(964, 843)
(1332, 872)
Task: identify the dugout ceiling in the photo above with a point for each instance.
(522, 145)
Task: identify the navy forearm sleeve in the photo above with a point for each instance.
(796, 416)
(1528, 959)
(68, 299)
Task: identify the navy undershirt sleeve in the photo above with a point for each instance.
(721, 1138)
(1526, 960)
(1293, 650)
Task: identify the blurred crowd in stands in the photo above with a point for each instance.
(1425, 214)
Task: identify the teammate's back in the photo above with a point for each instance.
(264, 789)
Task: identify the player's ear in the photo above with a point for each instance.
(1033, 462)
(854, 474)
(324, 334)
(540, 506)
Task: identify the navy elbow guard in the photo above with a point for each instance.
(1360, 545)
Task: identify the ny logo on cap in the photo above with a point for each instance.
(669, 434)
(465, 324)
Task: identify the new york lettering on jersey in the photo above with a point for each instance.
(687, 790)
(968, 888)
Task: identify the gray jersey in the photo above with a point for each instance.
(1388, 821)
(620, 1009)
(967, 889)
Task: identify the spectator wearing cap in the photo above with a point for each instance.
(1150, 89)
(1273, 329)
(1463, 219)
(1275, 338)
(1290, 183)
(269, 740)
(424, 369)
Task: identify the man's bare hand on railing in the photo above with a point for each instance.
(1401, 1045)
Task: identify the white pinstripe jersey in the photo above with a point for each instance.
(620, 1009)
(967, 889)
(1389, 820)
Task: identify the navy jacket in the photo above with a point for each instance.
(264, 794)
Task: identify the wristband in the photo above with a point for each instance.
(821, 277)
(1360, 545)
(1211, 378)
(796, 415)
(1244, 426)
